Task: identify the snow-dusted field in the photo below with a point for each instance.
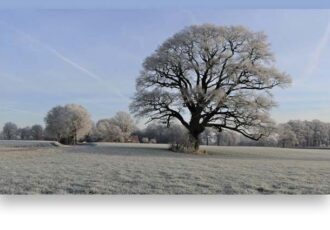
(40, 167)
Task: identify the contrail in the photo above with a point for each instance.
(6, 108)
(70, 62)
(316, 56)
(64, 58)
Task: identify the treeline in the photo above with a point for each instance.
(71, 123)
(295, 133)
(11, 131)
(304, 134)
(159, 133)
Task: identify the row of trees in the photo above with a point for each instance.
(295, 133)
(11, 131)
(304, 134)
(71, 123)
(160, 133)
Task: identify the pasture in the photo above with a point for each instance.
(107, 168)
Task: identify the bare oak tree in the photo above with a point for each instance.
(211, 76)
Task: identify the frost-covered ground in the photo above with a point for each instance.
(27, 168)
(31, 144)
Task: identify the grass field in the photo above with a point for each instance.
(45, 168)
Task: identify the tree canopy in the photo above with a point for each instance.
(68, 123)
(211, 76)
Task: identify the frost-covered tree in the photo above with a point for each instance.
(208, 136)
(68, 123)
(109, 131)
(57, 123)
(125, 122)
(158, 132)
(227, 138)
(320, 133)
(93, 135)
(116, 129)
(37, 132)
(301, 131)
(24, 133)
(328, 134)
(210, 76)
(178, 138)
(162, 133)
(10, 131)
(287, 138)
(79, 121)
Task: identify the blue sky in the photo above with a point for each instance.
(147, 4)
(92, 57)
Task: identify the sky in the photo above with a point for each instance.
(92, 57)
(143, 4)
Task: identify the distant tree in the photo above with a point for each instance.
(161, 133)
(57, 123)
(157, 131)
(210, 76)
(145, 140)
(179, 138)
(228, 138)
(328, 128)
(93, 135)
(287, 138)
(25, 133)
(116, 129)
(109, 131)
(10, 131)
(208, 136)
(125, 122)
(270, 141)
(37, 132)
(79, 121)
(68, 123)
(153, 141)
(301, 131)
(320, 133)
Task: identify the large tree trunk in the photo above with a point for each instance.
(195, 130)
(75, 138)
(194, 141)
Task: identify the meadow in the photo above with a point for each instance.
(42, 167)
